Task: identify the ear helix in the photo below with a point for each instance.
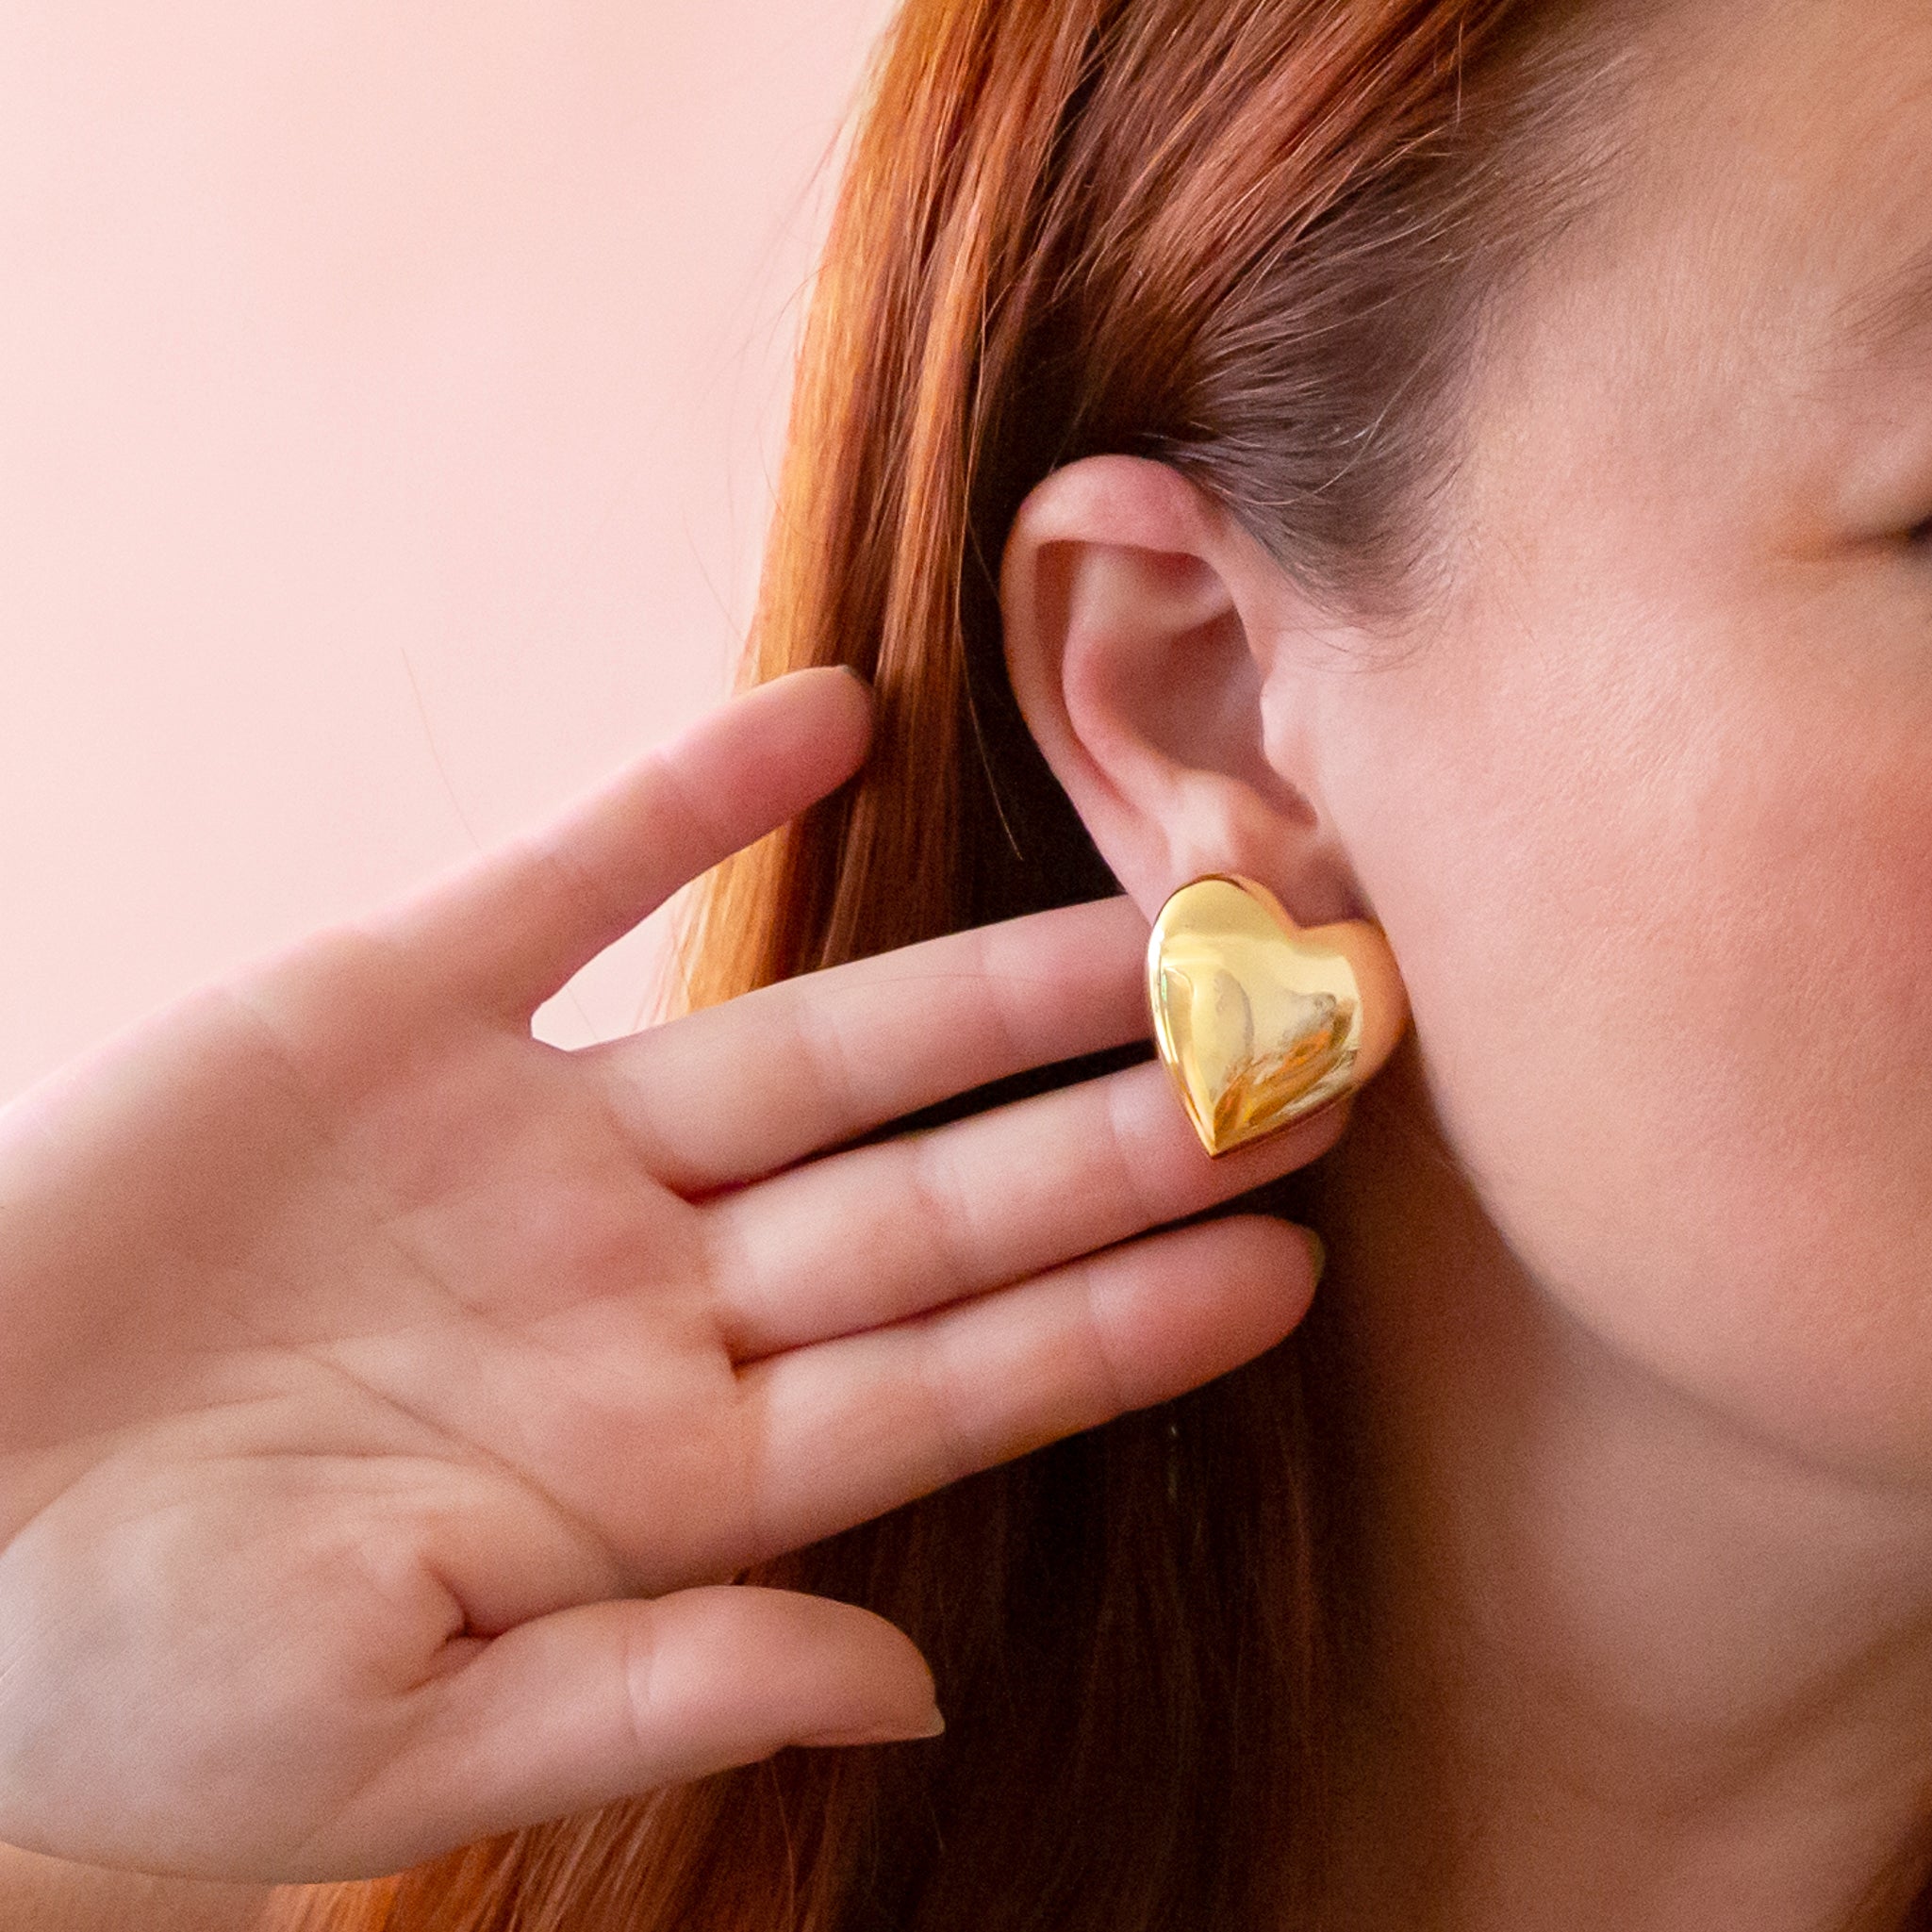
(1260, 1021)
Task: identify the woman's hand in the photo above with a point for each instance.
(387, 1398)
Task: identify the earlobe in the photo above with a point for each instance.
(1142, 632)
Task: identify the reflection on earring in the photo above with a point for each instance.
(1262, 1021)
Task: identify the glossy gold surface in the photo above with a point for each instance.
(1259, 1022)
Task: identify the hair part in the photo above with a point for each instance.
(1258, 241)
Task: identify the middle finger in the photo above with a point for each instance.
(885, 1232)
(732, 1092)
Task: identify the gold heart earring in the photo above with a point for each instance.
(1262, 1021)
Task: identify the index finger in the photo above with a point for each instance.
(516, 924)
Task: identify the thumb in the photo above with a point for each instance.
(606, 1700)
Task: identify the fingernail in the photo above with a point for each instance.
(853, 672)
(1318, 1252)
(880, 1734)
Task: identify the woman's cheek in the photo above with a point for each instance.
(1703, 1115)
(1663, 956)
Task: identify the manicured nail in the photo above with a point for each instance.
(1318, 1252)
(880, 1734)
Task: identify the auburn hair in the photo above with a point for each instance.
(1257, 240)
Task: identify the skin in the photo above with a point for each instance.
(1629, 1241)
(1633, 1242)
(389, 1399)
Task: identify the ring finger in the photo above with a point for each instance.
(857, 1427)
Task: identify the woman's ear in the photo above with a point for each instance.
(1156, 654)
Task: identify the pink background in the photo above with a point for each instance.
(387, 397)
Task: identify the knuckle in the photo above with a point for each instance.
(548, 862)
(831, 1048)
(1013, 993)
(639, 1655)
(957, 1449)
(681, 799)
(1105, 1354)
(940, 1211)
(1130, 1160)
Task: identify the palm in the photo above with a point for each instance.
(382, 1386)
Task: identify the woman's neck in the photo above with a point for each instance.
(1623, 1667)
